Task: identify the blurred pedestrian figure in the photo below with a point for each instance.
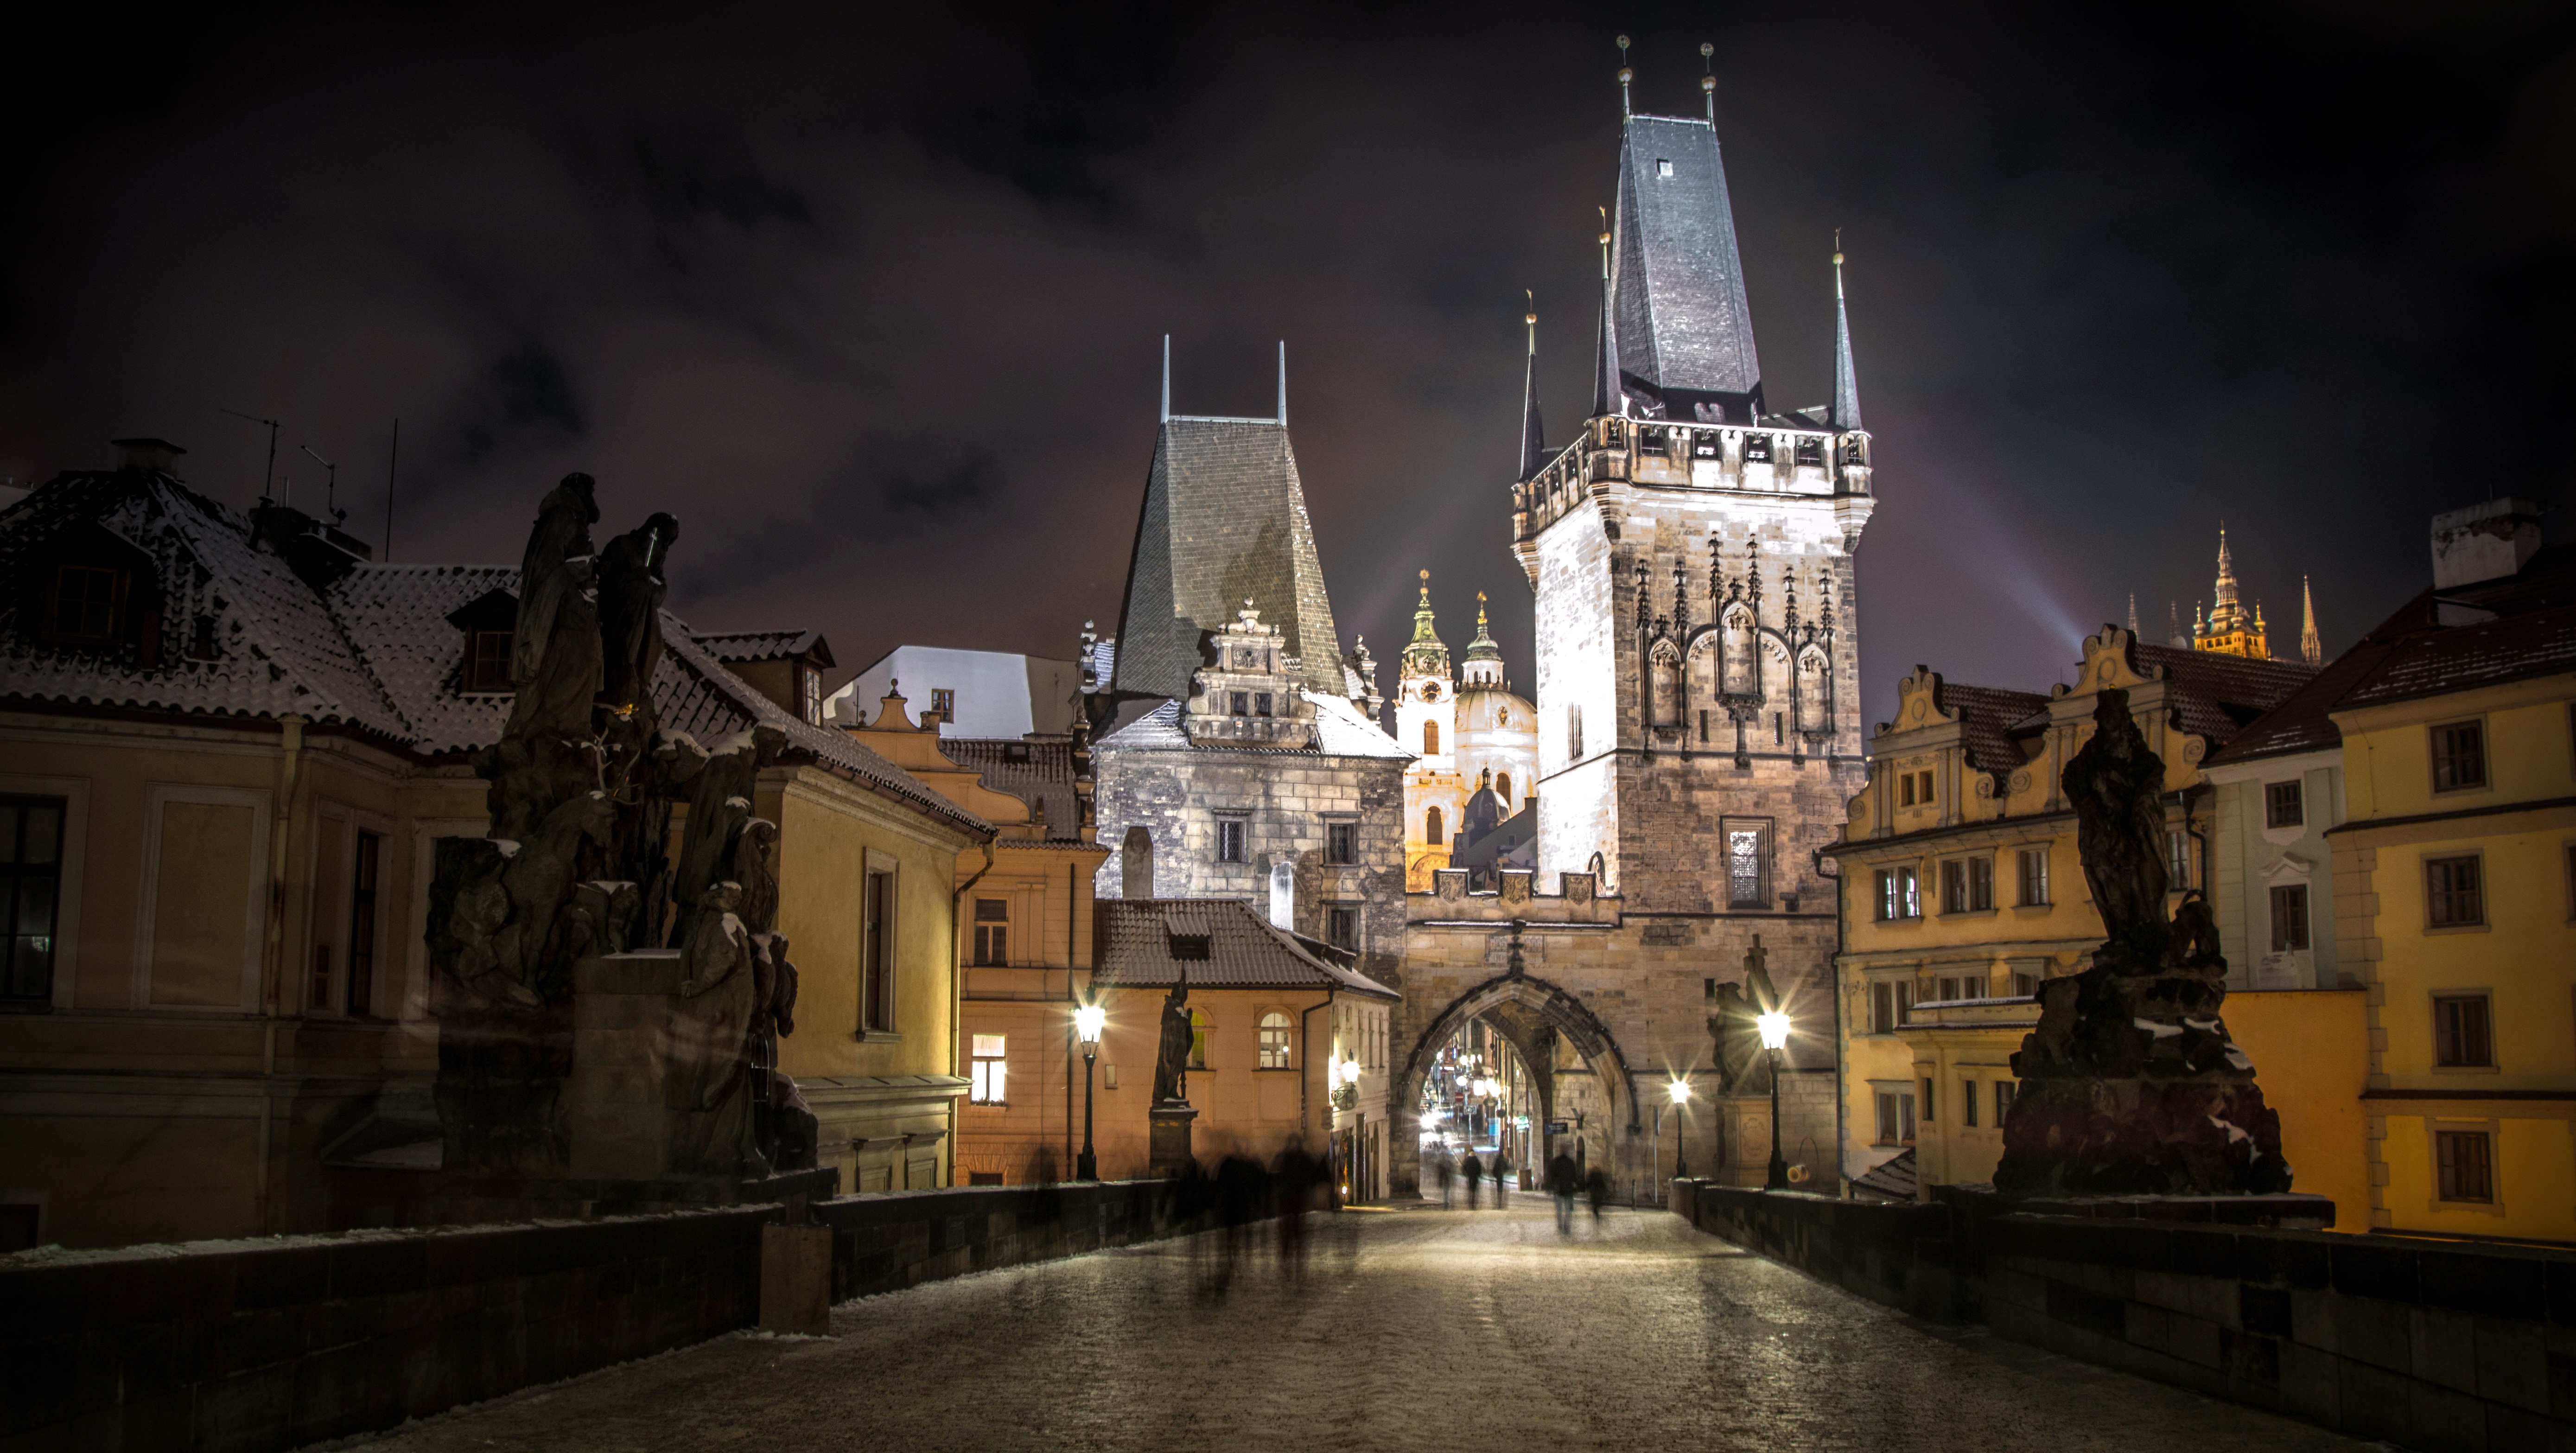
(1474, 1170)
(1293, 1177)
(1560, 1184)
(1240, 1182)
(1596, 1186)
(1444, 1170)
(1501, 1168)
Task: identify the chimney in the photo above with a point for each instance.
(1283, 895)
(152, 456)
(2484, 542)
(1136, 864)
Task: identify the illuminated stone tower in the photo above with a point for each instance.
(1691, 553)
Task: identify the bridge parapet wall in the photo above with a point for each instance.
(2419, 1343)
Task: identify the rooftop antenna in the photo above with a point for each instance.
(392, 457)
(1625, 76)
(1167, 378)
(272, 448)
(1708, 88)
(1283, 383)
(330, 485)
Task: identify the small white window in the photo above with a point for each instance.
(1663, 168)
(1274, 1041)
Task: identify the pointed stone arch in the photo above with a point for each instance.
(1538, 1000)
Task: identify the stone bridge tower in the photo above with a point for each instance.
(1691, 552)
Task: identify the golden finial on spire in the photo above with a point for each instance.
(1838, 247)
(1531, 318)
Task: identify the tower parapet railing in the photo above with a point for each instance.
(1761, 459)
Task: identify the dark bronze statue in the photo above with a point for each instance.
(2130, 1085)
(1172, 1059)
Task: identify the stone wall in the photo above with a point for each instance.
(1287, 799)
(256, 1345)
(2428, 1344)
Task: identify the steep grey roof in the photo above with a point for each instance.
(1244, 950)
(1533, 434)
(1845, 413)
(1341, 730)
(1678, 311)
(766, 645)
(1224, 519)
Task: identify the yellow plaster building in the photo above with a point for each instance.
(232, 745)
(2455, 885)
(1962, 889)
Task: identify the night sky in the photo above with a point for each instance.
(873, 301)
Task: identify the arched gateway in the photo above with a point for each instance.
(1521, 1007)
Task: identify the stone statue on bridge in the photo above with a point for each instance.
(2130, 1085)
(1172, 1055)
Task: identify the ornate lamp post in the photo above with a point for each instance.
(1087, 1020)
(1775, 1033)
(1679, 1091)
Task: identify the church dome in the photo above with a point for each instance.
(1484, 813)
(1493, 709)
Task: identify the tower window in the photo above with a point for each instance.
(1663, 167)
(1432, 830)
(1431, 739)
(1503, 787)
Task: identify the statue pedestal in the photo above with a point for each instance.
(645, 1059)
(1171, 1137)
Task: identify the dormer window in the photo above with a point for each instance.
(83, 608)
(809, 692)
(1663, 168)
(487, 661)
(1189, 946)
(201, 642)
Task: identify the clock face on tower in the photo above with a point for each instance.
(1431, 691)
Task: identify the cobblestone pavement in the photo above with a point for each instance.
(1409, 1329)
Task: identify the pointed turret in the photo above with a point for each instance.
(2133, 612)
(1533, 437)
(1484, 655)
(1846, 411)
(1426, 655)
(1607, 396)
(1678, 318)
(2312, 648)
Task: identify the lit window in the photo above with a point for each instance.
(2461, 1037)
(2467, 1165)
(1274, 1041)
(991, 1071)
(2290, 918)
(1748, 862)
(2459, 756)
(2454, 894)
(1900, 894)
(992, 932)
(1198, 1040)
(2283, 805)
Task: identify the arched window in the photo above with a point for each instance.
(1274, 1041)
(1431, 739)
(1503, 787)
(1431, 828)
(1198, 1040)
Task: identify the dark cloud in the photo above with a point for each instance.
(873, 302)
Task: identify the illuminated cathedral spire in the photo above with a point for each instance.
(2312, 649)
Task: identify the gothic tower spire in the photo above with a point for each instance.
(2312, 649)
(1533, 437)
(1607, 397)
(1846, 410)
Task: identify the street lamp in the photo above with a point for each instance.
(1775, 1033)
(1087, 1020)
(1679, 1090)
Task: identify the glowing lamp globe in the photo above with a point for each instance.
(1680, 1091)
(1774, 1027)
(1087, 1022)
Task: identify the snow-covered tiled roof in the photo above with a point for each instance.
(373, 649)
(1341, 730)
(764, 645)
